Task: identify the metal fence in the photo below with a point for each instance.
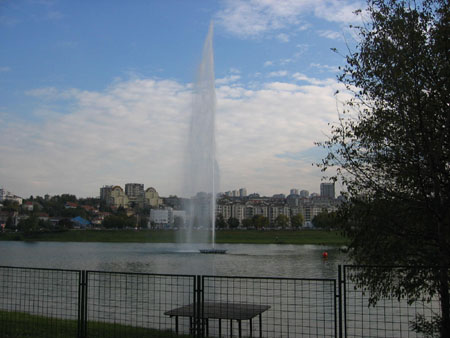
(133, 304)
(67, 303)
(39, 302)
(396, 310)
(274, 307)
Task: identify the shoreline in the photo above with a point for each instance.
(300, 237)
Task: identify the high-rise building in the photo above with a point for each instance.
(135, 194)
(105, 192)
(304, 193)
(243, 192)
(294, 191)
(327, 190)
(134, 190)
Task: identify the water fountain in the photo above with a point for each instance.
(202, 171)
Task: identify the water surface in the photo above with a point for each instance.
(298, 261)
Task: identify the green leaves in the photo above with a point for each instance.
(391, 148)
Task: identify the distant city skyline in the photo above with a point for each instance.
(94, 93)
(137, 189)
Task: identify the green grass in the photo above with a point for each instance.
(23, 325)
(170, 236)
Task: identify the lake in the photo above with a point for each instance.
(297, 261)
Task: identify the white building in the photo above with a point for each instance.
(224, 210)
(160, 217)
(277, 210)
(8, 196)
(238, 211)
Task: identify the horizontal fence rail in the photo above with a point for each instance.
(71, 303)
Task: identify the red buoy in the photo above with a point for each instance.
(324, 254)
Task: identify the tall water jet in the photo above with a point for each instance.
(201, 169)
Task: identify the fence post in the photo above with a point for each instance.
(340, 299)
(198, 307)
(82, 305)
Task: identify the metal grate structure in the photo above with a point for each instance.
(67, 303)
(39, 300)
(394, 313)
(133, 304)
(272, 307)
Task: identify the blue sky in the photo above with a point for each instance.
(98, 92)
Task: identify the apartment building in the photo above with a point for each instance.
(327, 190)
(133, 196)
(8, 196)
(271, 208)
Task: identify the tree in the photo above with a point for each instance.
(9, 223)
(297, 221)
(391, 149)
(260, 221)
(282, 221)
(10, 206)
(119, 222)
(247, 223)
(74, 213)
(325, 220)
(65, 224)
(220, 222)
(29, 225)
(233, 222)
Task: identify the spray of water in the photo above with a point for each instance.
(201, 169)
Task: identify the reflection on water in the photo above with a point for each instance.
(300, 261)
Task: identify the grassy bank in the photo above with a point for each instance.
(170, 236)
(19, 324)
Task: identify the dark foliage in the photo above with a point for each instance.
(391, 149)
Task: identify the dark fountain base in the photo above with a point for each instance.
(213, 251)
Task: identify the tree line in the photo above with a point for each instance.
(324, 220)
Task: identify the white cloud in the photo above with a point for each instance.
(268, 63)
(283, 37)
(303, 78)
(252, 18)
(279, 73)
(235, 71)
(46, 92)
(135, 131)
(5, 69)
(125, 133)
(338, 10)
(255, 130)
(329, 34)
(327, 68)
(227, 79)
